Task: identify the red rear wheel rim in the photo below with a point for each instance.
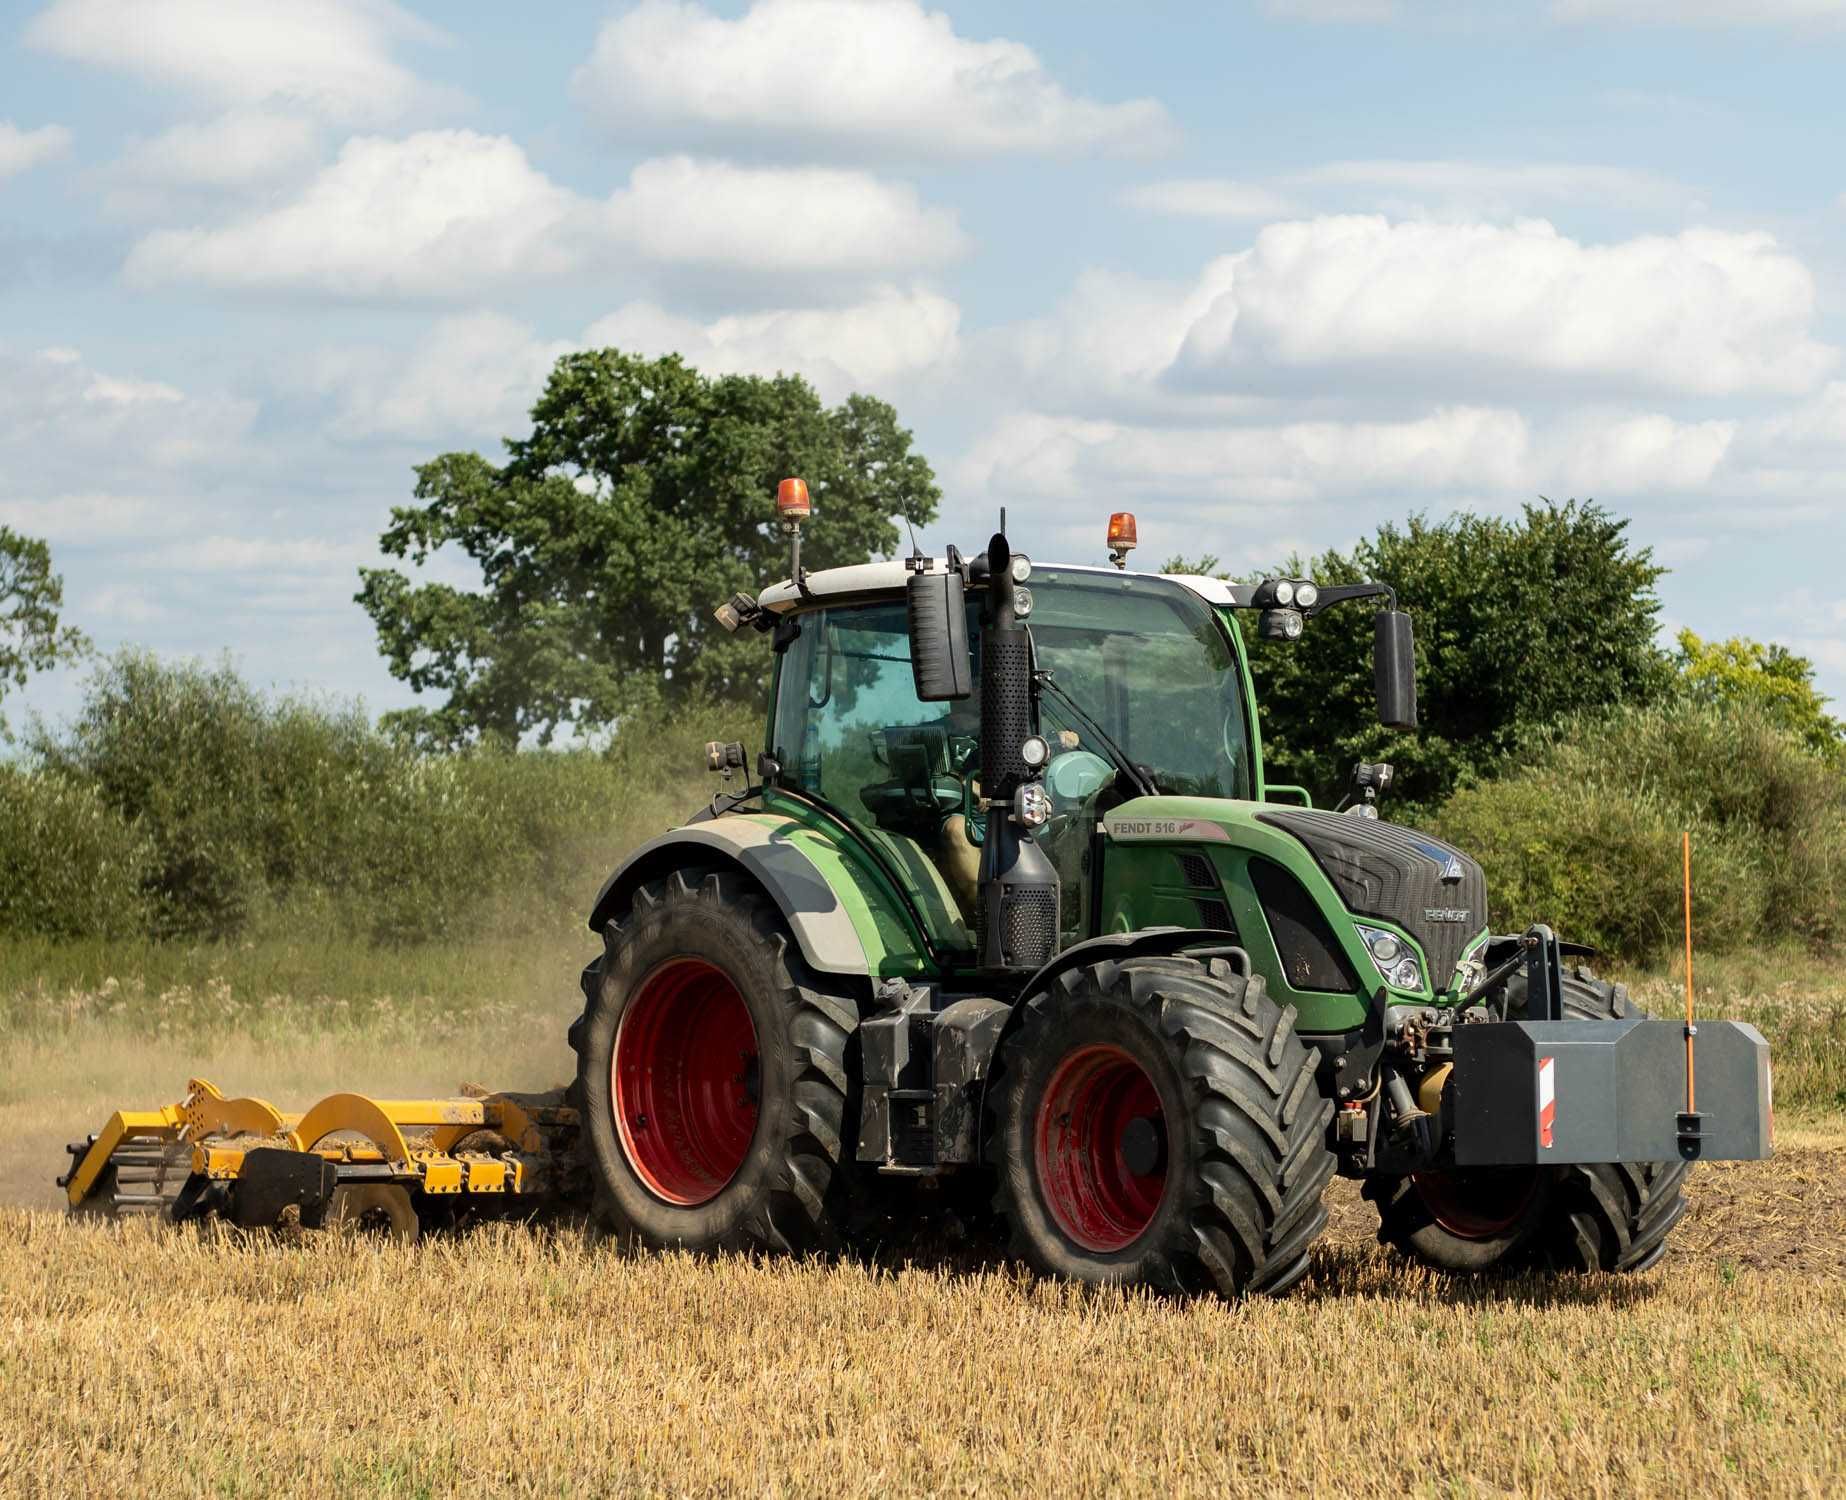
(1477, 1205)
(684, 1081)
(1095, 1104)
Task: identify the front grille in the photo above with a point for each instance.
(1310, 954)
(1382, 870)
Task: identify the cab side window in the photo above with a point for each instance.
(851, 732)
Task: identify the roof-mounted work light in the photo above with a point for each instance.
(792, 508)
(1121, 537)
(792, 504)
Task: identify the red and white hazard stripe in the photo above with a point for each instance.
(1547, 1099)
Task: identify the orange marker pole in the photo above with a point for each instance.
(1686, 854)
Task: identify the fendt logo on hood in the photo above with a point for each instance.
(1446, 913)
(1452, 871)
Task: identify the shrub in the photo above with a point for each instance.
(1582, 831)
(70, 865)
(251, 812)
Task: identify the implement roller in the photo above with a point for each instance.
(396, 1164)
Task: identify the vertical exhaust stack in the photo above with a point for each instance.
(1018, 883)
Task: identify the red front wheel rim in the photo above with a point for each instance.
(1480, 1205)
(1101, 1148)
(683, 1081)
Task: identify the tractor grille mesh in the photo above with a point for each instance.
(1031, 926)
(1196, 871)
(1430, 889)
(1215, 914)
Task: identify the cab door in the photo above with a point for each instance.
(850, 733)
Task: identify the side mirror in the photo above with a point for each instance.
(1394, 669)
(939, 658)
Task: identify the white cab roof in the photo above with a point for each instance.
(888, 578)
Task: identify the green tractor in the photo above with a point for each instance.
(1008, 918)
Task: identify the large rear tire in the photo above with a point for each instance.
(1596, 1217)
(712, 1076)
(1156, 1122)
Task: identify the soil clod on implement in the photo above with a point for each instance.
(412, 1163)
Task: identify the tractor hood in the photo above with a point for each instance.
(1430, 889)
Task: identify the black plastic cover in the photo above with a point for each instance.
(1394, 669)
(939, 657)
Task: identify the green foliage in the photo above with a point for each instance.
(1519, 623)
(640, 502)
(70, 864)
(1582, 831)
(1769, 676)
(31, 595)
(251, 814)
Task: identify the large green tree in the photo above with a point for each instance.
(31, 595)
(642, 500)
(1520, 623)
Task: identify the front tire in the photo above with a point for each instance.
(1156, 1122)
(712, 1077)
(1583, 1217)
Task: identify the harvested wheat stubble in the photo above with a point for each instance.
(1784, 1214)
(141, 1357)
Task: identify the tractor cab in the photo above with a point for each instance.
(1141, 690)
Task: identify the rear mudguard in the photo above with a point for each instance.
(762, 847)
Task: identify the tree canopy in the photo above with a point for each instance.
(642, 499)
(1769, 676)
(1520, 623)
(31, 595)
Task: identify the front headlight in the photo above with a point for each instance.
(1399, 966)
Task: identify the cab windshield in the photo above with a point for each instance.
(1147, 660)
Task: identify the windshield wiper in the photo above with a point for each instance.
(1142, 780)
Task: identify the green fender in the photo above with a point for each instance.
(832, 907)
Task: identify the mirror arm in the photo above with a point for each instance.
(1243, 596)
(1342, 593)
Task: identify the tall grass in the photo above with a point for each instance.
(182, 805)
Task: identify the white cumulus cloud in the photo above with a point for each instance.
(472, 378)
(1067, 458)
(1483, 455)
(240, 149)
(869, 345)
(447, 213)
(682, 211)
(1705, 311)
(21, 150)
(1417, 189)
(847, 78)
(335, 57)
(431, 215)
(89, 456)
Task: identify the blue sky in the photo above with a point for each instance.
(1266, 273)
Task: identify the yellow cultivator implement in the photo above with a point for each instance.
(398, 1163)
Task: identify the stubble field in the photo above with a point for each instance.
(137, 1358)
